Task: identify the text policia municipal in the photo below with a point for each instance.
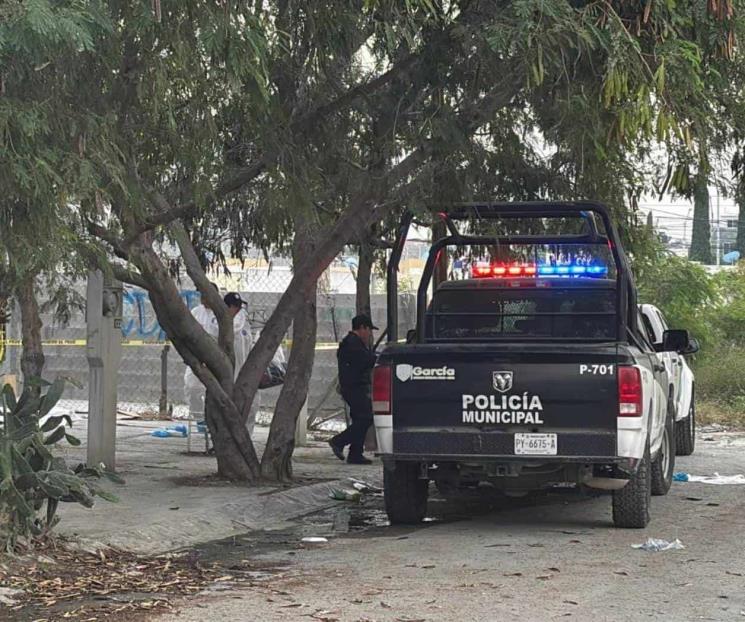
(507, 409)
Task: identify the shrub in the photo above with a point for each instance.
(684, 292)
(32, 480)
(720, 376)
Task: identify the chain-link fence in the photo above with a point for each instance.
(151, 373)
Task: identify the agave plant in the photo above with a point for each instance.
(33, 481)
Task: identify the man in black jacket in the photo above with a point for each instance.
(356, 361)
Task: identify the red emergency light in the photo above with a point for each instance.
(485, 270)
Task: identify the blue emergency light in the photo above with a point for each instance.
(572, 270)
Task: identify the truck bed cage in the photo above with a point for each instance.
(589, 211)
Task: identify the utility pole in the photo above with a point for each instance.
(103, 314)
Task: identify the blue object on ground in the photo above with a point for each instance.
(160, 433)
(180, 429)
(680, 477)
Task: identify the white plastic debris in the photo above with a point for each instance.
(8, 595)
(345, 495)
(314, 540)
(655, 544)
(364, 487)
(717, 479)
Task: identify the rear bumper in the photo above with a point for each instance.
(470, 458)
(574, 446)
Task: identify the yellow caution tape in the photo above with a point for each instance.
(128, 343)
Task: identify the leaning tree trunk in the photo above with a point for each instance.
(32, 355)
(276, 462)
(236, 457)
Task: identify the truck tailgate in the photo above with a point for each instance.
(505, 400)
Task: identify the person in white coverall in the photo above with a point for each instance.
(242, 344)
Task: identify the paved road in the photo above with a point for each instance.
(558, 558)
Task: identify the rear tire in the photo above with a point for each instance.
(405, 494)
(664, 464)
(685, 430)
(631, 503)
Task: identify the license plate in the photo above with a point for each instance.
(535, 444)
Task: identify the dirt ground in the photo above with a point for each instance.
(553, 557)
(549, 557)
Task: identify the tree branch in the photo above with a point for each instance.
(209, 295)
(128, 276)
(108, 236)
(247, 174)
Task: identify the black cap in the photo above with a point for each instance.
(233, 299)
(362, 321)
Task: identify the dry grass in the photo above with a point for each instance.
(729, 415)
(72, 584)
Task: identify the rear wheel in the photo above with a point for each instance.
(664, 464)
(405, 493)
(631, 503)
(685, 431)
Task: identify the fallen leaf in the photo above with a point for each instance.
(623, 573)
(554, 570)
(570, 602)
(544, 577)
(513, 574)
(385, 605)
(734, 574)
(428, 566)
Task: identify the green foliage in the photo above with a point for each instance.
(33, 481)
(685, 293)
(720, 376)
(730, 316)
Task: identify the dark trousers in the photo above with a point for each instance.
(360, 411)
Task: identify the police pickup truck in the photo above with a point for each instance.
(536, 371)
(682, 388)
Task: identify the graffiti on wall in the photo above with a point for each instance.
(139, 320)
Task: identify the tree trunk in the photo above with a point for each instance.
(740, 202)
(439, 230)
(32, 356)
(701, 237)
(236, 456)
(276, 463)
(231, 462)
(364, 277)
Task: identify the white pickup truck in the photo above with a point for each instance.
(680, 376)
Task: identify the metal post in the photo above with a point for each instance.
(104, 351)
(163, 404)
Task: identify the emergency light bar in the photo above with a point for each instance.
(484, 270)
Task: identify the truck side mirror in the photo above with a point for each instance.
(411, 335)
(678, 341)
(692, 347)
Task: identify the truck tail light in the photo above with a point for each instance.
(630, 396)
(381, 390)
